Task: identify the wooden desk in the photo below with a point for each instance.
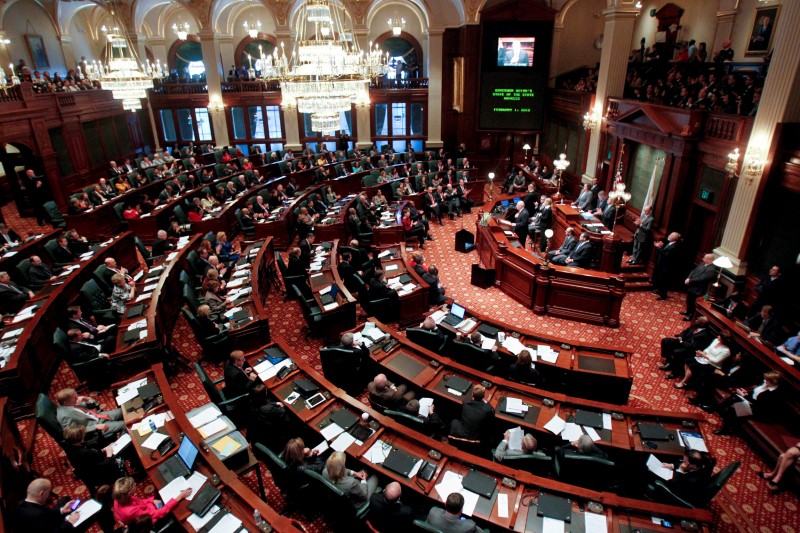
(343, 315)
(237, 497)
(415, 303)
(585, 370)
(564, 292)
(17, 254)
(31, 367)
(424, 493)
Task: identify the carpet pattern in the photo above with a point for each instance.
(744, 505)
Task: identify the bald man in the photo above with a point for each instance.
(161, 245)
(697, 283)
(33, 515)
(387, 393)
(387, 513)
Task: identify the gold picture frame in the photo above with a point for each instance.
(762, 31)
(458, 84)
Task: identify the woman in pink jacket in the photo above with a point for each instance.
(127, 506)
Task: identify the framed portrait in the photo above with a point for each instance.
(38, 52)
(763, 30)
(458, 84)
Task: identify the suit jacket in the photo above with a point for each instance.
(609, 214)
(378, 290)
(236, 381)
(768, 406)
(700, 277)
(29, 516)
(64, 255)
(645, 227)
(772, 332)
(77, 247)
(585, 200)
(581, 254)
(666, 259)
(696, 338)
(40, 275)
(690, 484)
(545, 219)
(475, 415)
(80, 352)
(355, 491)
(12, 297)
(67, 415)
(160, 247)
(437, 294)
(438, 518)
(305, 254)
(389, 517)
(295, 266)
(91, 465)
(11, 235)
(521, 221)
(568, 245)
(388, 396)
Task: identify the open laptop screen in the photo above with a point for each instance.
(187, 452)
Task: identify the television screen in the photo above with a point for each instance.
(515, 51)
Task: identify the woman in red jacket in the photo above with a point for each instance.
(127, 506)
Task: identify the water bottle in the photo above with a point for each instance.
(257, 517)
(153, 427)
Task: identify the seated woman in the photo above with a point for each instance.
(785, 461)
(247, 165)
(298, 458)
(194, 213)
(91, 465)
(146, 204)
(212, 275)
(215, 297)
(379, 200)
(204, 319)
(127, 506)
(226, 156)
(226, 251)
(763, 402)
(330, 196)
(414, 228)
(706, 361)
(523, 370)
(132, 212)
(356, 485)
(121, 293)
(122, 185)
(75, 207)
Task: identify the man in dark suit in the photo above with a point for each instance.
(91, 332)
(595, 190)
(387, 394)
(37, 193)
(431, 277)
(733, 307)
(449, 519)
(643, 235)
(295, 266)
(161, 245)
(77, 245)
(306, 251)
(378, 289)
(764, 325)
(12, 296)
(433, 205)
(39, 273)
(667, 257)
(239, 377)
(609, 214)
(682, 347)
(689, 476)
(771, 290)
(347, 272)
(521, 221)
(82, 349)
(8, 237)
(543, 222)
(32, 514)
(387, 513)
(697, 284)
(585, 446)
(569, 244)
(475, 417)
(581, 255)
(62, 253)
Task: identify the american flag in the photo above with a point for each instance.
(618, 176)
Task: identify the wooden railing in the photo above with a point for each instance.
(570, 102)
(11, 94)
(257, 86)
(725, 127)
(408, 83)
(179, 88)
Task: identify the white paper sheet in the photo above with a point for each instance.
(415, 469)
(262, 366)
(332, 305)
(595, 523)
(228, 524)
(571, 432)
(120, 443)
(592, 433)
(450, 482)
(390, 268)
(273, 371)
(205, 416)
(502, 505)
(173, 488)
(655, 466)
(197, 522)
(743, 408)
(195, 482)
(425, 406)
(376, 455)
(487, 343)
(556, 425)
(438, 316)
(515, 405)
(154, 440)
(470, 501)
(606, 420)
(321, 448)
(331, 431)
(212, 428)
(551, 525)
(453, 392)
(515, 438)
(13, 333)
(86, 510)
(343, 442)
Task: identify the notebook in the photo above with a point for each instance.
(400, 462)
(344, 419)
(457, 383)
(488, 331)
(589, 418)
(204, 500)
(480, 484)
(653, 432)
(136, 310)
(555, 507)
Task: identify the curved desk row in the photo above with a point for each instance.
(514, 510)
(592, 371)
(563, 292)
(14, 255)
(620, 433)
(33, 362)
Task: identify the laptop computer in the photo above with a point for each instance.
(488, 331)
(344, 418)
(456, 315)
(204, 500)
(181, 463)
(554, 507)
(504, 203)
(330, 296)
(136, 310)
(589, 418)
(400, 462)
(480, 484)
(653, 432)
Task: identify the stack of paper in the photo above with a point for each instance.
(272, 371)
(139, 324)
(438, 316)
(571, 432)
(546, 353)
(226, 446)
(331, 431)
(212, 428)
(487, 343)
(342, 442)
(87, 510)
(595, 436)
(515, 406)
(130, 391)
(515, 438)
(377, 453)
(513, 345)
(143, 427)
(236, 283)
(596, 523)
(556, 425)
(655, 466)
(228, 524)
(197, 522)
(205, 416)
(154, 440)
(118, 445)
(552, 525)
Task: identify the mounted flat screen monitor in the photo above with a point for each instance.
(515, 51)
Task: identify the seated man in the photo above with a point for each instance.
(432, 421)
(239, 377)
(33, 513)
(437, 290)
(449, 519)
(475, 416)
(379, 289)
(566, 248)
(82, 349)
(690, 476)
(585, 446)
(90, 331)
(682, 347)
(12, 296)
(39, 273)
(791, 348)
(429, 324)
(386, 393)
(161, 245)
(74, 409)
(765, 326)
(503, 450)
(387, 513)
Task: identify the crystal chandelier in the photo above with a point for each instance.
(397, 24)
(253, 28)
(122, 76)
(326, 72)
(181, 30)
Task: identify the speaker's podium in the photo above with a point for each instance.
(465, 241)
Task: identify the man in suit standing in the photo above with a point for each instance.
(771, 290)
(667, 256)
(306, 251)
(74, 409)
(521, 221)
(38, 194)
(643, 235)
(595, 190)
(566, 247)
(239, 377)
(697, 284)
(32, 514)
(387, 513)
(449, 519)
(12, 296)
(475, 416)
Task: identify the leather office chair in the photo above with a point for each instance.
(311, 313)
(100, 275)
(586, 471)
(430, 340)
(24, 270)
(50, 247)
(216, 346)
(119, 207)
(292, 485)
(410, 421)
(180, 215)
(660, 491)
(340, 367)
(55, 216)
(290, 281)
(146, 254)
(46, 417)
(230, 406)
(95, 301)
(338, 510)
(187, 280)
(195, 264)
(247, 231)
(422, 525)
(94, 373)
(537, 463)
(382, 308)
(473, 356)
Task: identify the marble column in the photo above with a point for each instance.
(779, 103)
(292, 127)
(226, 50)
(210, 48)
(617, 38)
(158, 45)
(69, 53)
(558, 32)
(433, 39)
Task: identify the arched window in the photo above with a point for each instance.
(404, 57)
(254, 49)
(188, 59)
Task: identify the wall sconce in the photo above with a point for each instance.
(591, 120)
(753, 165)
(526, 147)
(215, 104)
(733, 163)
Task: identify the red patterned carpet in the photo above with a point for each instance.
(743, 505)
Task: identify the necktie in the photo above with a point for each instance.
(14, 288)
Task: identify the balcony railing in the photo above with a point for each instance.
(260, 86)
(406, 84)
(11, 94)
